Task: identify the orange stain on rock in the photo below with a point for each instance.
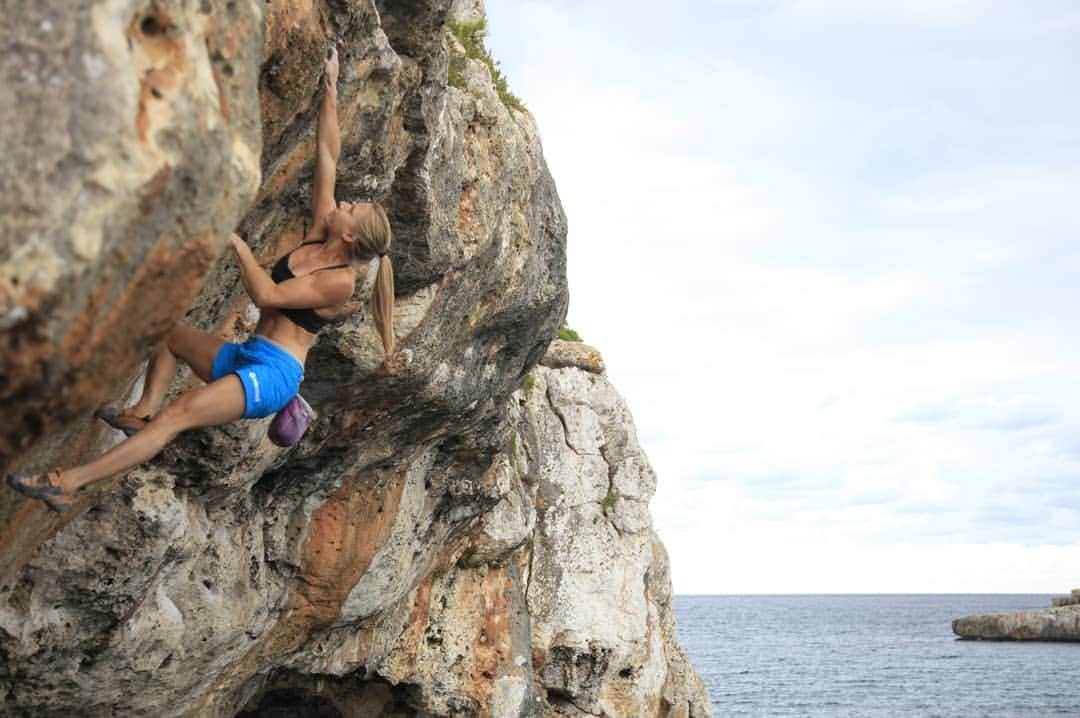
(467, 220)
(151, 191)
(287, 171)
(351, 103)
(225, 49)
(365, 640)
(296, 38)
(100, 349)
(95, 355)
(155, 297)
(158, 36)
(283, 17)
(223, 95)
(162, 61)
(33, 524)
(343, 537)
(493, 655)
(411, 638)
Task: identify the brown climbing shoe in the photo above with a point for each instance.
(44, 487)
(120, 419)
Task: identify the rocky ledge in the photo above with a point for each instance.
(1061, 622)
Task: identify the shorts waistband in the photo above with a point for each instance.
(271, 345)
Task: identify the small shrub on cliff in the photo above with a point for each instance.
(568, 335)
(454, 76)
(471, 36)
(609, 501)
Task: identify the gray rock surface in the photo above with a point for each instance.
(1072, 599)
(426, 549)
(1061, 622)
(601, 644)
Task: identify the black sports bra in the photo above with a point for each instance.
(306, 319)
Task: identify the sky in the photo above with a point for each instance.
(839, 237)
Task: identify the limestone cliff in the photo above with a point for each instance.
(468, 535)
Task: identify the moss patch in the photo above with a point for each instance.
(609, 501)
(568, 335)
(471, 36)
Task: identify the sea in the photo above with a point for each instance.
(870, 656)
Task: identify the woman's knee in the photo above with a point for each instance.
(174, 418)
(195, 347)
(178, 337)
(217, 403)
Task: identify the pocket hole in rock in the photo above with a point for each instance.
(151, 25)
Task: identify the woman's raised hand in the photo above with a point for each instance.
(240, 247)
(331, 66)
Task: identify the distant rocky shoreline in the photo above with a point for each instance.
(1060, 622)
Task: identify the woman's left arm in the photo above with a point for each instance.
(319, 289)
(257, 283)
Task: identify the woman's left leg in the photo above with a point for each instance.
(194, 346)
(214, 404)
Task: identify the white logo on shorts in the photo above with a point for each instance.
(255, 381)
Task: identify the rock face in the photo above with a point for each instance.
(1059, 623)
(130, 148)
(468, 535)
(601, 645)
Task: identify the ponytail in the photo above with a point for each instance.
(373, 238)
(382, 304)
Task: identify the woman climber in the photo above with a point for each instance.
(306, 289)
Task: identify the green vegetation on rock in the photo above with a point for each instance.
(609, 501)
(471, 36)
(568, 335)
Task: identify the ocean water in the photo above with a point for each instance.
(872, 655)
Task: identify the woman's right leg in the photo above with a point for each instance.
(194, 346)
(214, 404)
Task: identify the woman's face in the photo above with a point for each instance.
(346, 216)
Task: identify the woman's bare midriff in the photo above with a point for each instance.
(276, 327)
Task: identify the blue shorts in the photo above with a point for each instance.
(271, 376)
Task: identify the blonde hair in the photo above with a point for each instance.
(373, 239)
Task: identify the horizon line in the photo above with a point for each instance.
(883, 593)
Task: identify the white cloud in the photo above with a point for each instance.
(926, 11)
(839, 305)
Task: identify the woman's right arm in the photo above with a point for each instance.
(329, 144)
